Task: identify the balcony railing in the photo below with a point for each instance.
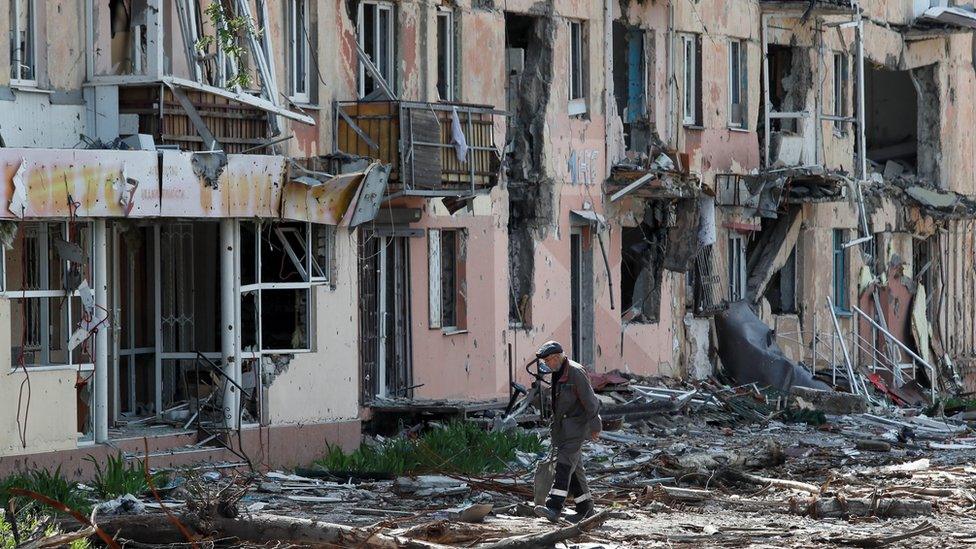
(417, 140)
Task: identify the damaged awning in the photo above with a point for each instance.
(50, 183)
(242, 97)
(958, 17)
(587, 217)
(349, 199)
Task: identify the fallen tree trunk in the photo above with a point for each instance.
(548, 539)
(881, 507)
(262, 528)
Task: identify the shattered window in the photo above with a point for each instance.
(298, 50)
(781, 290)
(641, 272)
(737, 267)
(445, 56)
(691, 80)
(23, 63)
(840, 272)
(280, 262)
(446, 278)
(577, 68)
(841, 84)
(375, 30)
(47, 277)
(738, 75)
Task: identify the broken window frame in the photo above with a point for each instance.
(577, 58)
(738, 103)
(21, 61)
(454, 319)
(299, 52)
(384, 66)
(840, 91)
(737, 260)
(46, 295)
(840, 278)
(632, 309)
(446, 55)
(692, 108)
(303, 265)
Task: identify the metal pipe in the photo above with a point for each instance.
(862, 160)
(843, 347)
(891, 337)
(228, 324)
(101, 335)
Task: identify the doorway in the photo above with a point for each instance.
(166, 297)
(581, 298)
(384, 323)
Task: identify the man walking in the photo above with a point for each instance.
(575, 418)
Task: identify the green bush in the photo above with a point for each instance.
(47, 483)
(119, 478)
(459, 447)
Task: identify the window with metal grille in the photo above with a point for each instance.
(47, 277)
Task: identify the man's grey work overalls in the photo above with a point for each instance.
(575, 418)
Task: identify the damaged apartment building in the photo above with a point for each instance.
(248, 226)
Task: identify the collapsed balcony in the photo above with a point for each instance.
(434, 150)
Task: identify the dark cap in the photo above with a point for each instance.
(549, 348)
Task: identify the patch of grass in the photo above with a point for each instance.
(118, 478)
(459, 447)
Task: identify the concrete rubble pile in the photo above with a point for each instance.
(677, 465)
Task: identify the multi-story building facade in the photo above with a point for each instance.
(274, 215)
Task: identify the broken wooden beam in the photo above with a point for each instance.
(548, 539)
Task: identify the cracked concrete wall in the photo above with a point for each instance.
(50, 390)
(320, 385)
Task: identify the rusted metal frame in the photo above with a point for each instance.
(355, 128)
(209, 141)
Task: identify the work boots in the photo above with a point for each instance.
(552, 509)
(584, 509)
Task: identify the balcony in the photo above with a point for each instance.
(417, 141)
(158, 111)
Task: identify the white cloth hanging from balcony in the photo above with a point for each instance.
(457, 137)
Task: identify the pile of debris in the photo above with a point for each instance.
(678, 464)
